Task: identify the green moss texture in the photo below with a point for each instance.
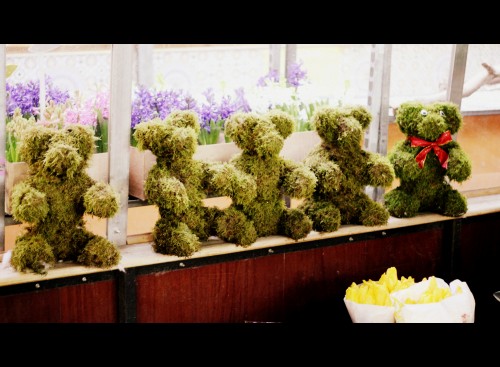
(343, 170)
(54, 198)
(261, 138)
(178, 183)
(427, 161)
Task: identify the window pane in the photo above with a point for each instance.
(421, 72)
(481, 130)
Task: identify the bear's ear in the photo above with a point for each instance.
(322, 120)
(34, 143)
(284, 122)
(361, 114)
(184, 118)
(408, 117)
(451, 113)
(82, 138)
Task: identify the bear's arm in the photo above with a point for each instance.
(403, 161)
(459, 164)
(379, 170)
(225, 179)
(328, 173)
(28, 204)
(166, 191)
(101, 200)
(298, 181)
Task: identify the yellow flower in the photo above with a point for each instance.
(378, 292)
(432, 294)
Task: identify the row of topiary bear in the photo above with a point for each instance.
(331, 180)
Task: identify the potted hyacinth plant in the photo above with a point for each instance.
(212, 111)
(287, 94)
(290, 95)
(93, 112)
(149, 103)
(22, 107)
(213, 115)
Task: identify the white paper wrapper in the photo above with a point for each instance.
(458, 308)
(363, 313)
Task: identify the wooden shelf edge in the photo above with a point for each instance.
(139, 251)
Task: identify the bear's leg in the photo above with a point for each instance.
(203, 222)
(400, 204)
(324, 215)
(32, 252)
(294, 223)
(170, 238)
(455, 204)
(99, 252)
(233, 226)
(373, 213)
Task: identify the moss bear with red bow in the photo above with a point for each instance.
(427, 161)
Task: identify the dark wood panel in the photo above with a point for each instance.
(480, 264)
(316, 280)
(238, 291)
(41, 306)
(299, 286)
(92, 302)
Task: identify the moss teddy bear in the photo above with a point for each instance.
(177, 183)
(261, 138)
(427, 160)
(343, 169)
(55, 196)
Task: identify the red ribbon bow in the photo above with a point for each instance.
(444, 138)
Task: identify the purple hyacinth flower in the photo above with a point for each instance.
(296, 75)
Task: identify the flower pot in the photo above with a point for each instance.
(18, 171)
(296, 147)
(98, 167)
(14, 173)
(299, 144)
(142, 161)
(140, 164)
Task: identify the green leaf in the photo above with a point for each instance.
(10, 69)
(205, 137)
(101, 132)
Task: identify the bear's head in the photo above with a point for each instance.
(429, 121)
(341, 127)
(57, 153)
(171, 139)
(262, 135)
